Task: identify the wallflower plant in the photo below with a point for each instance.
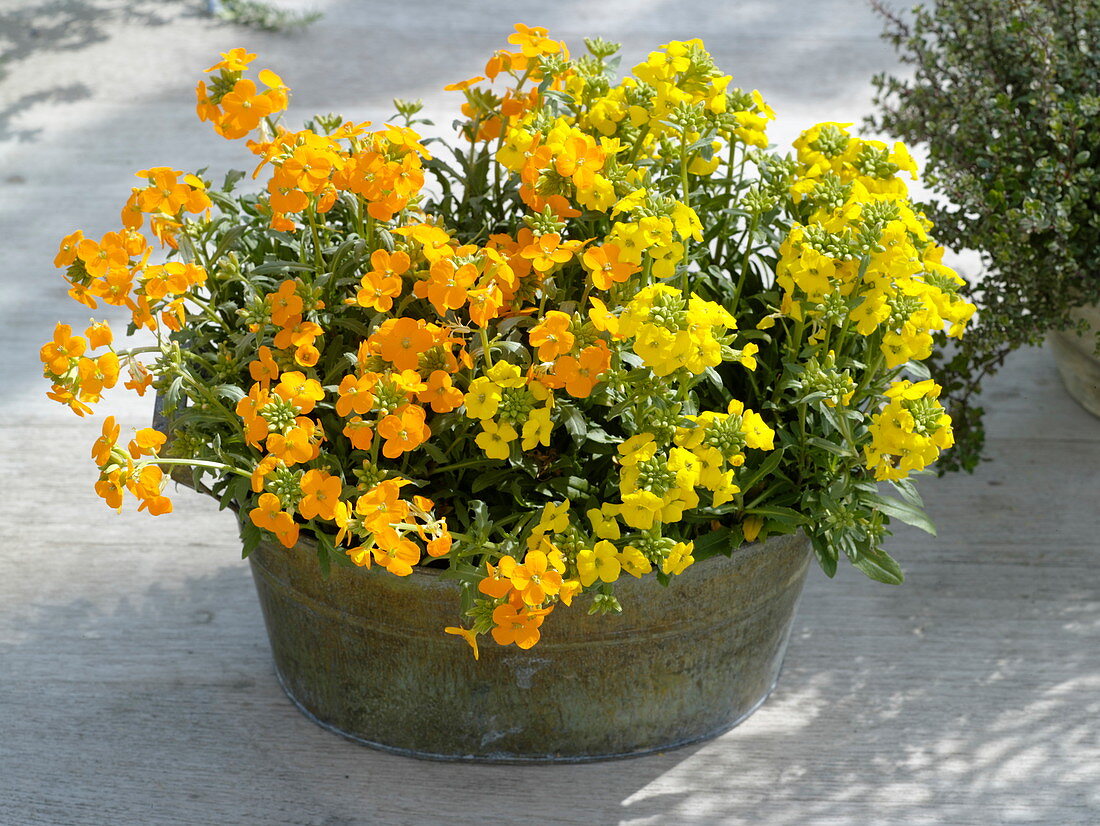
(608, 334)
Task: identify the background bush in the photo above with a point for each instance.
(1006, 98)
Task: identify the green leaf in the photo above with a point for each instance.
(826, 555)
(902, 511)
(785, 515)
(723, 541)
(766, 467)
(325, 550)
(250, 536)
(880, 566)
(830, 447)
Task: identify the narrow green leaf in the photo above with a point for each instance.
(880, 566)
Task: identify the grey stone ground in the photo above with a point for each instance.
(135, 681)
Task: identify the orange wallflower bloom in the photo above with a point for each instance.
(552, 336)
(146, 442)
(382, 505)
(298, 444)
(99, 334)
(440, 393)
(97, 375)
(394, 552)
(580, 375)
(359, 433)
(485, 304)
(101, 449)
(57, 354)
(66, 253)
(301, 392)
(519, 625)
(264, 369)
(547, 252)
(605, 266)
(356, 394)
(403, 431)
(447, 285)
(496, 584)
(534, 580)
(466, 634)
(580, 159)
(260, 472)
(401, 341)
(440, 545)
(321, 493)
(377, 291)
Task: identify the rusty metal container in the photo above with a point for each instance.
(363, 654)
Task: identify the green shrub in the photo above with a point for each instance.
(1005, 95)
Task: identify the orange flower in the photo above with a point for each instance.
(440, 545)
(462, 85)
(66, 254)
(581, 375)
(377, 291)
(286, 304)
(447, 285)
(101, 450)
(56, 355)
(270, 516)
(260, 472)
(519, 625)
(580, 159)
(110, 487)
(382, 505)
(146, 442)
(300, 333)
(606, 268)
(99, 334)
(321, 494)
(359, 433)
(243, 109)
(485, 304)
(547, 252)
(495, 584)
(355, 394)
(552, 336)
(402, 340)
(441, 393)
(299, 444)
(533, 41)
(301, 392)
(394, 552)
(264, 369)
(466, 634)
(403, 431)
(235, 60)
(534, 580)
(146, 485)
(96, 375)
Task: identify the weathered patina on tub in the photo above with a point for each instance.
(1077, 361)
(363, 653)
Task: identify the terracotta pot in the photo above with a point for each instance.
(363, 654)
(1077, 362)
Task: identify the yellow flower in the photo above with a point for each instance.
(601, 562)
(482, 399)
(634, 562)
(678, 559)
(640, 508)
(537, 429)
(604, 524)
(495, 438)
